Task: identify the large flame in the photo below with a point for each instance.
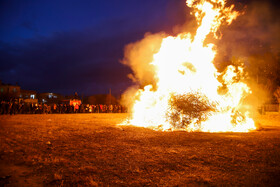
(183, 68)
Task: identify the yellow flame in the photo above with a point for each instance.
(183, 65)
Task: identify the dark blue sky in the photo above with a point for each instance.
(67, 46)
(71, 45)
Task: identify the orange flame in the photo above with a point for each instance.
(184, 65)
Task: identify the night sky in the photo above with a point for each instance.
(69, 46)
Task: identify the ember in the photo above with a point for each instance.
(184, 90)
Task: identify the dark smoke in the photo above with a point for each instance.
(254, 41)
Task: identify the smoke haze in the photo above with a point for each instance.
(253, 39)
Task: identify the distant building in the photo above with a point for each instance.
(72, 99)
(28, 96)
(50, 97)
(8, 91)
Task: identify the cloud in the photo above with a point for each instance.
(66, 62)
(61, 60)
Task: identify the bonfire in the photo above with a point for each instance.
(187, 92)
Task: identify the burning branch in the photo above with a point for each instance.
(189, 108)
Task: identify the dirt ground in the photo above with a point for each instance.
(91, 150)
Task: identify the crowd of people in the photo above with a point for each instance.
(14, 107)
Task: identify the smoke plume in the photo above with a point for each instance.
(253, 38)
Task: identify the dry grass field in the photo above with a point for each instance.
(91, 150)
